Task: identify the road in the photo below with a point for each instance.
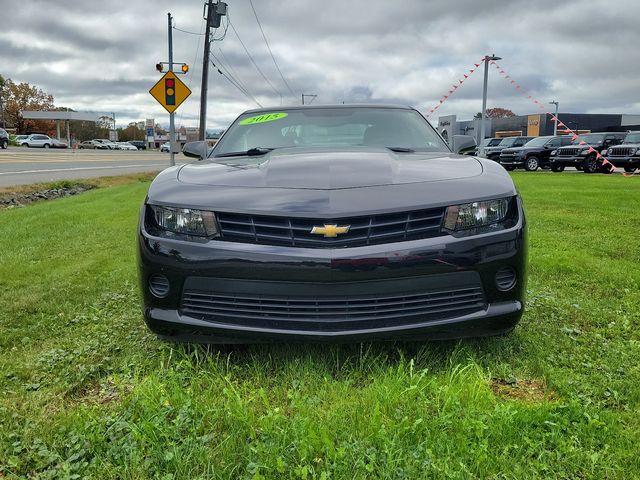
(21, 166)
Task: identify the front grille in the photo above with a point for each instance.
(363, 230)
(621, 151)
(332, 313)
(568, 152)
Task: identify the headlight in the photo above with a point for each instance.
(637, 152)
(604, 152)
(476, 214)
(554, 153)
(186, 221)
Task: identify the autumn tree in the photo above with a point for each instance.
(497, 112)
(18, 97)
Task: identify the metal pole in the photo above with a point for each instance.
(303, 99)
(555, 123)
(172, 125)
(484, 101)
(484, 106)
(205, 72)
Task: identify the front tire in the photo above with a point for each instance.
(557, 168)
(531, 164)
(629, 169)
(590, 164)
(5, 144)
(46, 145)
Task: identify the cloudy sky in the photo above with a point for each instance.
(101, 55)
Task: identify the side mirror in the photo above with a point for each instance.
(196, 149)
(463, 143)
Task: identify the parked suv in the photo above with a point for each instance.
(627, 154)
(38, 140)
(493, 153)
(578, 156)
(4, 138)
(533, 154)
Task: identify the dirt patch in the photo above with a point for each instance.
(525, 390)
(21, 199)
(100, 394)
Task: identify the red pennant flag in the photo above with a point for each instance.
(446, 96)
(455, 87)
(582, 142)
(591, 150)
(461, 81)
(441, 101)
(477, 65)
(560, 124)
(471, 71)
(513, 81)
(501, 71)
(574, 136)
(465, 76)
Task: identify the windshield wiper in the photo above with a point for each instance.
(401, 149)
(251, 152)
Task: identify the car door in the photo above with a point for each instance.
(550, 146)
(37, 141)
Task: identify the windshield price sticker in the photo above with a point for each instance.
(267, 117)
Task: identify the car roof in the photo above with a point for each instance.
(339, 105)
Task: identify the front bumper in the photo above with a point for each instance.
(630, 161)
(568, 161)
(511, 160)
(442, 287)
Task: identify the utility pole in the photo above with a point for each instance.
(205, 71)
(555, 124)
(215, 12)
(172, 124)
(487, 59)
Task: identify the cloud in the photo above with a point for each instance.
(100, 56)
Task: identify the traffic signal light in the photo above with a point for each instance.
(184, 68)
(170, 91)
(159, 67)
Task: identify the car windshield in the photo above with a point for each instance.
(494, 141)
(591, 138)
(537, 142)
(397, 128)
(632, 138)
(507, 142)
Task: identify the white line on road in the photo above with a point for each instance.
(83, 168)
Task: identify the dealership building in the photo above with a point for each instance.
(537, 124)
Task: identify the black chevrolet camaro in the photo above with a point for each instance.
(341, 223)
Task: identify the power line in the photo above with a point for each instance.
(237, 85)
(277, 92)
(186, 31)
(234, 77)
(269, 48)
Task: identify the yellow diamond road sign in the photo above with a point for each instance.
(170, 92)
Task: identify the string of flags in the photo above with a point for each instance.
(454, 87)
(562, 128)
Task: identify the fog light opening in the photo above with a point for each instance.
(506, 279)
(159, 285)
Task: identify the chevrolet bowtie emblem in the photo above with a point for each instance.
(330, 231)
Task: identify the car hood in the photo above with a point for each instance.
(513, 150)
(322, 169)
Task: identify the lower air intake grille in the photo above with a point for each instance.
(332, 313)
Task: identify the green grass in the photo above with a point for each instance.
(86, 391)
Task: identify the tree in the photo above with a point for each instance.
(499, 112)
(18, 97)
